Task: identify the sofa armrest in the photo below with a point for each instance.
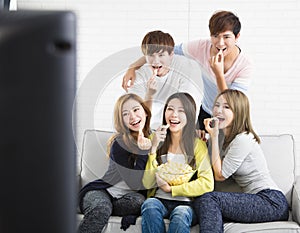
(296, 200)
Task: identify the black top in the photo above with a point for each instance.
(124, 165)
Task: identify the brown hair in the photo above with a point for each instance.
(157, 41)
(222, 21)
(189, 131)
(239, 104)
(129, 137)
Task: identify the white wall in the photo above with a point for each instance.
(270, 36)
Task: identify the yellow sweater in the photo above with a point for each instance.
(204, 183)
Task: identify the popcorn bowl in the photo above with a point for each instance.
(175, 173)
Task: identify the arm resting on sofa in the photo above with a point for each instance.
(296, 201)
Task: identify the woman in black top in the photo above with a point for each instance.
(120, 191)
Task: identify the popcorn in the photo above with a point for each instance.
(175, 173)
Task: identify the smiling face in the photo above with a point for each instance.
(134, 115)
(225, 42)
(160, 61)
(223, 112)
(175, 115)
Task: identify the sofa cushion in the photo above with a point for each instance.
(280, 156)
(94, 160)
(269, 227)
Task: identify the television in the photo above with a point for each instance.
(37, 148)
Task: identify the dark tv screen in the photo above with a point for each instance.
(37, 147)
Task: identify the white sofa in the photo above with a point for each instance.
(280, 154)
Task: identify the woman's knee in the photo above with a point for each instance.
(97, 200)
(151, 203)
(205, 198)
(182, 211)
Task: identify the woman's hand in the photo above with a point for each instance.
(212, 126)
(143, 142)
(159, 136)
(162, 184)
(201, 134)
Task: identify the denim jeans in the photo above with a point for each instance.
(180, 214)
(214, 207)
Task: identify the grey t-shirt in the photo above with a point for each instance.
(244, 160)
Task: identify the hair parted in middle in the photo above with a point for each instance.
(129, 137)
(189, 130)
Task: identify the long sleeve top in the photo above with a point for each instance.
(121, 168)
(204, 182)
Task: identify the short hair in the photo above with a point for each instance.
(222, 21)
(157, 41)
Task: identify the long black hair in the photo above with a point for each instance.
(187, 141)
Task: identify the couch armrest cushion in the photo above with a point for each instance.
(94, 160)
(296, 201)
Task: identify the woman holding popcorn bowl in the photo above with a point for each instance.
(178, 169)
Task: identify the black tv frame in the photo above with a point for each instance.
(37, 148)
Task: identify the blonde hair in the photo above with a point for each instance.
(129, 137)
(239, 104)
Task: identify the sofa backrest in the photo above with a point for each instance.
(278, 149)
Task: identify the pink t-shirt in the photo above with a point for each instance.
(237, 77)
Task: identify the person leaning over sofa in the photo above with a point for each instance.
(164, 74)
(242, 158)
(224, 64)
(179, 144)
(120, 191)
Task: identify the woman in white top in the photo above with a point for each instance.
(242, 159)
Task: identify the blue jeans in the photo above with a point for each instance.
(180, 214)
(214, 207)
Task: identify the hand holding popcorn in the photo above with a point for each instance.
(175, 173)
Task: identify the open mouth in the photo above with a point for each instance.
(173, 122)
(221, 119)
(156, 67)
(135, 123)
(221, 49)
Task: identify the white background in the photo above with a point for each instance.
(270, 36)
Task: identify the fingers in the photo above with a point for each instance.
(163, 131)
(160, 181)
(128, 79)
(164, 127)
(143, 143)
(152, 82)
(201, 134)
(141, 134)
(125, 83)
(219, 56)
